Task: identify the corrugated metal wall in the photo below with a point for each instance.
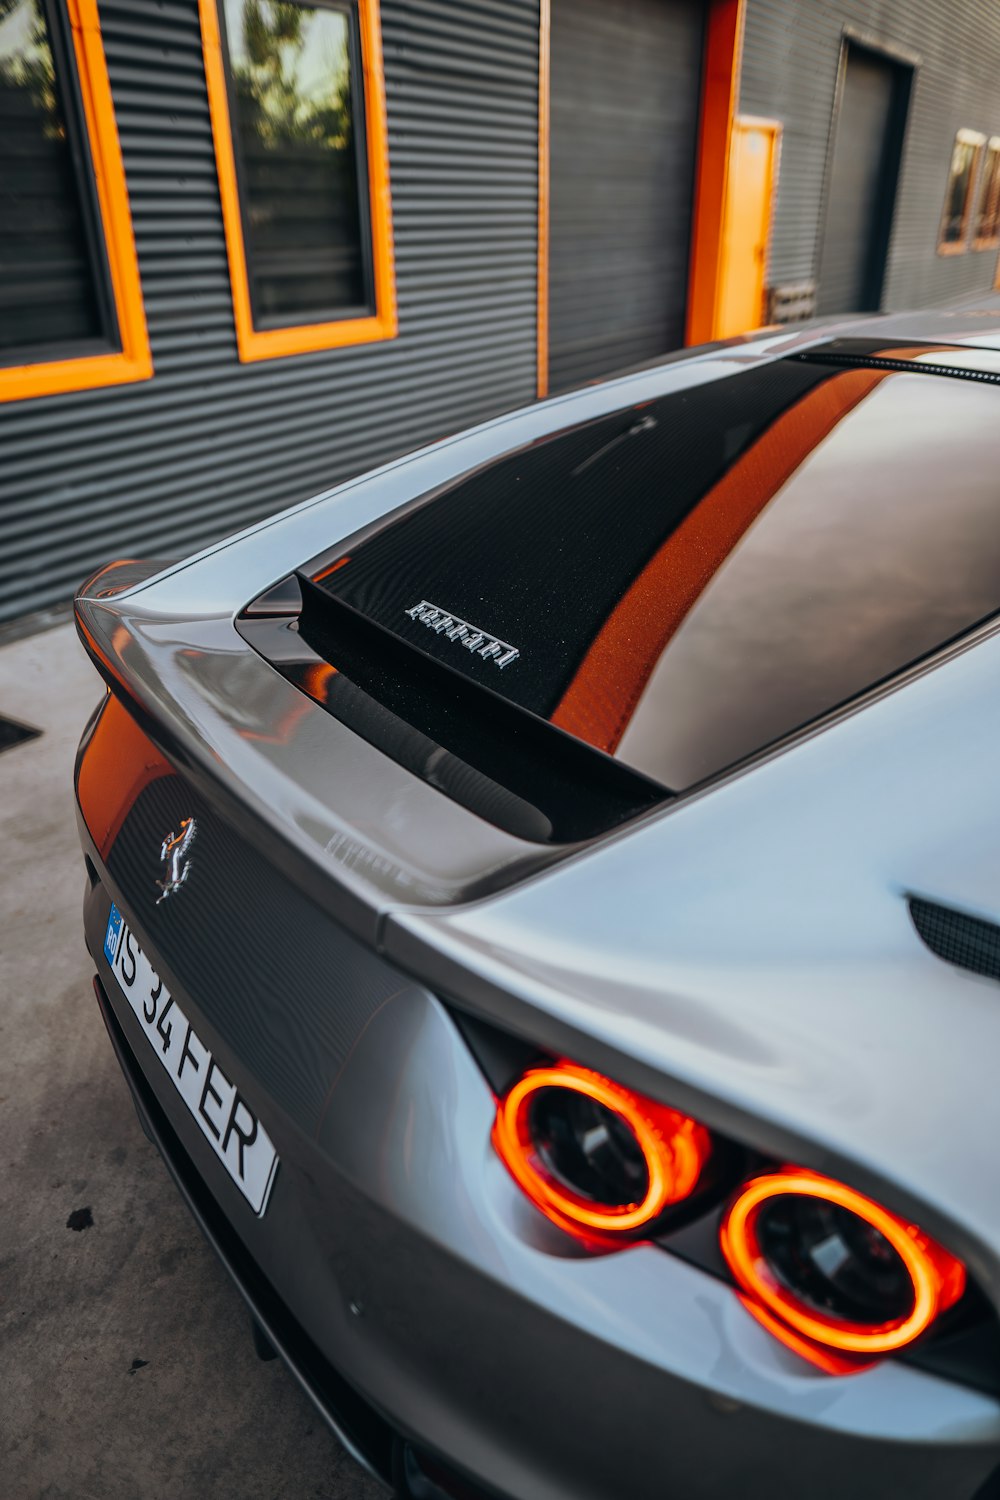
(209, 445)
(791, 49)
(625, 94)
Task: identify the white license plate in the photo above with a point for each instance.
(227, 1122)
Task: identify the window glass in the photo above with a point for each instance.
(964, 159)
(988, 214)
(854, 569)
(50, 281)
(693, 578)
(295, 91)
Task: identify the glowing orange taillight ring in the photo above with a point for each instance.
(673, 1146)
(938, 1279)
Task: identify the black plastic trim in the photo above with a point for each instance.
(580, 792)
(907, 366)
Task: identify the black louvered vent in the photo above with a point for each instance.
(969, 942)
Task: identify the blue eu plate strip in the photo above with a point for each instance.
(113, 935)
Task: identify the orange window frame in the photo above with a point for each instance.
(989, 197)
(133, 361)
(305, 338)
(976, 142)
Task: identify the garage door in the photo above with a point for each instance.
(624, 92)
(861, 193)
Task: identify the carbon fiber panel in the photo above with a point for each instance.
(284, 986)
(538, 547)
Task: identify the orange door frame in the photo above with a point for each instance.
(719, 96)
(720, 88)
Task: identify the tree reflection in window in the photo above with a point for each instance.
(293, 90)
(50, 292)
(987, 233)
(958, 197)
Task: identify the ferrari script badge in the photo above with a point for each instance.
(173, 853)
(480, 642)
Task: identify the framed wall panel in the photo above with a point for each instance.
(297, 100)
(986, 230)
(73, 314)
(963, 174)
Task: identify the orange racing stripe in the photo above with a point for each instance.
(603, 694)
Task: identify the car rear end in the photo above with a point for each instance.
(257, 835)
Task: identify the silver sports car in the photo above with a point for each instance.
(545, 898)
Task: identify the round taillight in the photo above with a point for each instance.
(835, 1267)
(592, 1155)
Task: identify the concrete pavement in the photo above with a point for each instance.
(127, 1368)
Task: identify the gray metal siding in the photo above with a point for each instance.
(626, 84)
(209, 445)
(861, 181)
(790, 58)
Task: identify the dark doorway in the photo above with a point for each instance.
(12, 733)
(861, 188)
(624, 99)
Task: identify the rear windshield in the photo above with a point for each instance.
(687, 581)
(881, 546)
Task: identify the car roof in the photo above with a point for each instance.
(975, 331)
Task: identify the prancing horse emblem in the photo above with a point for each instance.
(172, 851)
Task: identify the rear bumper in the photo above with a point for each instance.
(361, 1429)
(414, 1295)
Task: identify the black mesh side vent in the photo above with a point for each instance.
(969, 942)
